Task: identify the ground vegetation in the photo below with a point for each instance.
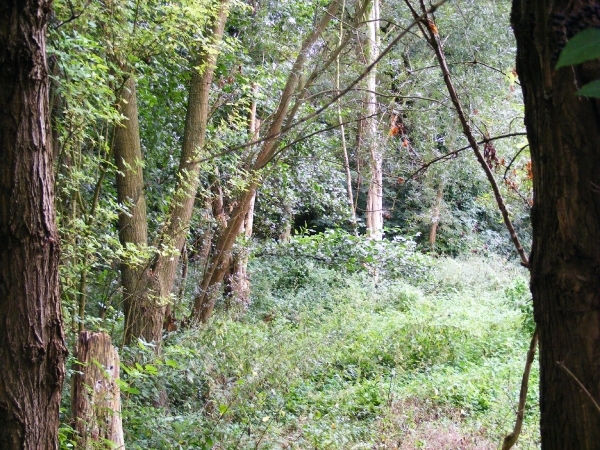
(302, 224)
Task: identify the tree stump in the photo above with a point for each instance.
(96, 400)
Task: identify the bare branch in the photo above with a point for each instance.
(456, 152)
(430, 30)
(511, 438)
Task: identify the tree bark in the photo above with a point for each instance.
(32, 347)
(133, 229)
(96, 401)
(147, 289)
(564, 138)
(435, 216)
(375, 192)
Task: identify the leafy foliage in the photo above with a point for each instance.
(584, 46)
(327, 361)
(346, 341)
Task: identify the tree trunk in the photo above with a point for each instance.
(375, 192)
(96, 401)
(564, 138)
(140, 312)
(435, 216)
(176, 228)
(148, 289)
(32, 347)
(343, 133)
(218, 265)
(238, 281)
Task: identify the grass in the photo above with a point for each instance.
(329, 360)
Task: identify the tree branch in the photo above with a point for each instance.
(511, 438)
(456, 152)
(332, 101)
(431, 32)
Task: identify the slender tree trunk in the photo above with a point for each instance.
(287, 218)
(564, 138)
(375, 192)
(32, 347)
(147, 289)
(343, 132)
(435, 216)
(217, 268)
(141, 315)
(238, 281)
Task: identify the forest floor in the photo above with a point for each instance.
(330, 360)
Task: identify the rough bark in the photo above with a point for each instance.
(96, 401)
(564, 138)
(218, 265)
(374, 216)
(32, 348)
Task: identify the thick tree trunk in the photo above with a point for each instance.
(32, 348)
(375, 192)
(96, 401)
(140, 311)
(564, 138)
(219, 263)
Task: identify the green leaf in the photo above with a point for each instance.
(590, 90)
(584, 46)
(172, 363)
(152, 370)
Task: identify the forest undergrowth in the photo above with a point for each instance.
(326, 359)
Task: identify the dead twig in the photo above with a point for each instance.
(572, 375)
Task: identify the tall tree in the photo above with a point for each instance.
(564, 137)
(32, 348)
(148, 288)
(374, 214)
(218, 264)
(133, 223)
